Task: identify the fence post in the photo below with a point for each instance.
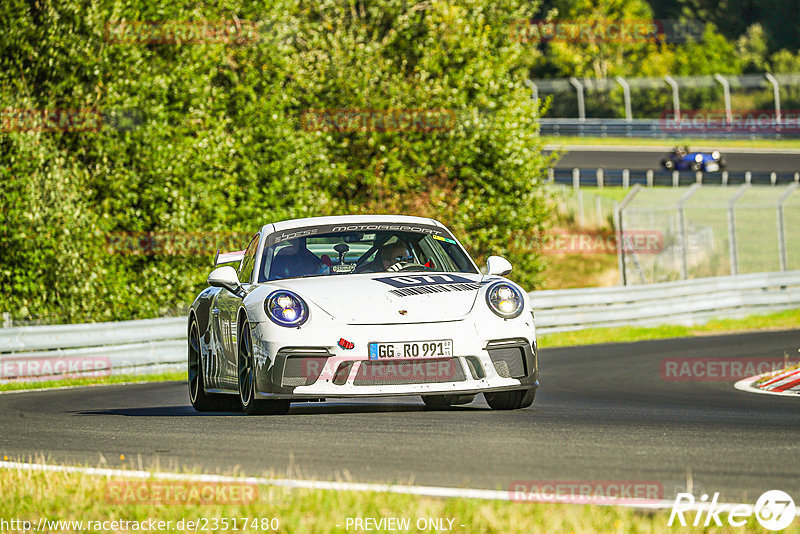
(748, 177)
(676, 101)
(599, 177)
(649, 177)
(773, 178)
(626, 95)
(776, 95)
(551, 174)
(581, 106)
(618, 222)
(698, 177)
(732, 228)
(576, 178)
(676, 180)
(626, 178)
(598, 210)
(782, 228)
(726, 90)
(724, 177)
(534, 90)
(684, 231)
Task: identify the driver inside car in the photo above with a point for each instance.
(395, 256)
(390, 257)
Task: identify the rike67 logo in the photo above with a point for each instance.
(774, 510)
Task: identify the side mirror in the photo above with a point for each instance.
(497, 265)
(225, 277)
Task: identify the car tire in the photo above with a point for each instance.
(443, 401)
(696, 167)
(510, 400)
(202, 401)
(246, 378)
(668, 164)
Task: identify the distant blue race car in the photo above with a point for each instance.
(680, 159)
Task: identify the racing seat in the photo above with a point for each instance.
(294, 261)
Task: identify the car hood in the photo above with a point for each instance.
(383, 298)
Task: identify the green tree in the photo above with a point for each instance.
(752, 49)
(208, 138)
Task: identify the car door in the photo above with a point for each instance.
(225, 312)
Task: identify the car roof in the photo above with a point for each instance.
(349, 219)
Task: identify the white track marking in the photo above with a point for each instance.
(10, 391)
(424, 491)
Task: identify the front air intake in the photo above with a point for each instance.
(509, 361)
(302, 370)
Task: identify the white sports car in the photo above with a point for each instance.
(359, 306)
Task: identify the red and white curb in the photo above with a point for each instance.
(784, 383)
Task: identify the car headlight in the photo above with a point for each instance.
(505, 300)
(698, 158)
(715, 155)
(286, 308)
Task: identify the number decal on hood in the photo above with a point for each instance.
(423, 280)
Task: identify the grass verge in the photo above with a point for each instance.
(739, 143)
(784, 320)
(113, 379)
(612, 193)
(31, 495)
(565, 271)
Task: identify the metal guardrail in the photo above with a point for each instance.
(67, 336)
(601, 177)
(92, 349)
(659, 129)
(32, 352)
(685, 302)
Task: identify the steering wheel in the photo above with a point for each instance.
(406, 267)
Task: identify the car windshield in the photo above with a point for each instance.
(335, 251)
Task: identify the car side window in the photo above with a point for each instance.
(248, 261)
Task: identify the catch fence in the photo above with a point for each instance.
(710, 231)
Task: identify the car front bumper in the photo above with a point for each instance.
(487, 356)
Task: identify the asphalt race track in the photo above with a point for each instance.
(650, 158)
(603, 413)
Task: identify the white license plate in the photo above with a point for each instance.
(441, 348)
